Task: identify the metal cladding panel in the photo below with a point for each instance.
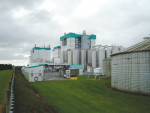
(83, 57)
(69, 57)
(93, 42)
(89, 59)
(133, 74)
(94, 59)
(85, 42)
(75, 56)
(107, 67)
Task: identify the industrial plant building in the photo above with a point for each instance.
(74, 49)
(39, 55)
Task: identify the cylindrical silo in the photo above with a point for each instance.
(76, 56)
(62, 57)
(83, 58)
(89, 55)
(101, 56)
(108, 52)
(94, 59)
(131, 69)
(69, 57)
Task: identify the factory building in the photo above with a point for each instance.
(81, 49)
(74, 46)
(39, 55)
(72, 41)
(56, 54)
(74, 49)
(130, 68)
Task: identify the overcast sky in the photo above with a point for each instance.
(24, 23)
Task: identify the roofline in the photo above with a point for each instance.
(127, 52)
(74, 35)
(39, 48)
(36, 66)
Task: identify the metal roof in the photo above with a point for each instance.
(73, 35)
(75, 67)
(142, 46)
(36, 66)
(56, 47)
(39, 48)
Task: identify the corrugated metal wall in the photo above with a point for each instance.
(107, 67)
(131, 72)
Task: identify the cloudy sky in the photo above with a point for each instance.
(24, 23)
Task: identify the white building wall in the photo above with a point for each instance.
(93, 42)
(56, 55)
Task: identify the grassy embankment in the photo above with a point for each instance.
(27, 99)
(90, 96)
(4, 82)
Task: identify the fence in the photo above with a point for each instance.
(10, 95)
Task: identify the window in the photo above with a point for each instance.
(78, 42)
(65, 42)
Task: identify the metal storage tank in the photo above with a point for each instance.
(83, 58)
(107, 67)
(69, 57)
(76, 57)
(101, 56)
(89, 54)
(94, 59)
(108, 52)
(62, 57)
(131, 68)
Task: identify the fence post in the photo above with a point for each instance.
(9, 85)
(7, 99)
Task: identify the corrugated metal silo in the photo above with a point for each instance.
(107, 67)
(131, 69)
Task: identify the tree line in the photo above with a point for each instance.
(5, 66)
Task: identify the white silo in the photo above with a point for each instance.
(94, 59)
(76, 57)
(89, 55)
(131, 69)
(62, 57)
(108, 52)
(83, 57)
(101, 56)
(69, 57)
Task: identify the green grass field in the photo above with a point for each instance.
(4, 79)
(90, 96)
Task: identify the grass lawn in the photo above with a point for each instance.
(90, 96)
(4, 79)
